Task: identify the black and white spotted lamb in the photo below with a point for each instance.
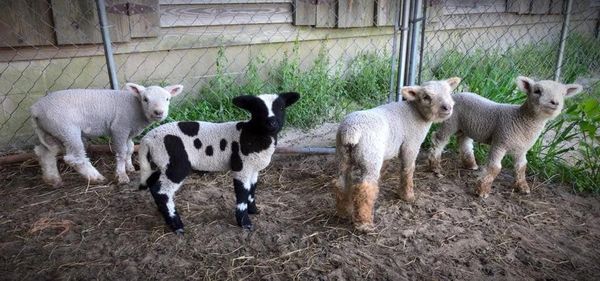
(170, 152)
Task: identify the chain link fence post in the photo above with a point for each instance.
(108, 53)
(563, 39)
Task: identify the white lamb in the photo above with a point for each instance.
(507, 128)
(61, 119)
(366, 138)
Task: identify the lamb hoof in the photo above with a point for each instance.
(243, 220)
(97, 179)
(179, 232)
(130, 169)
(365, 227)
(53, 181)
(470, 164)
(408, 197)
(175, 224)
(523, 188)
(248, 227)
(483, 194)
(471, 167)
(252, 209)
(483, 189)
(122, 179)
(438, 174)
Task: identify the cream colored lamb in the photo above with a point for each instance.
(507, 128)
(366, 138)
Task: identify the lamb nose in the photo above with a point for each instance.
(445, 108)
(273, 123)
(553, 102)
(158, 112)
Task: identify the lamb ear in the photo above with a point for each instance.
(135, 88)
(453, 82)
(246, 102)
(290, 98)
(572, 90)
(410, 93)
(525, 84)
(174, 89)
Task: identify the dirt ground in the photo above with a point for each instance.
(83, 232)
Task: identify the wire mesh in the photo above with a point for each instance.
(337, 54)
(216, 49)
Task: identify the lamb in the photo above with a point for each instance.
(507, 128)
(366, 138)
(170, 152)
(61, 119)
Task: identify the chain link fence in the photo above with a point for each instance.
(524, 34)
(337, 54)
(216, 49)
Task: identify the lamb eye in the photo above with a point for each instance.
(427, 98)
(537, 92)
(145, 99)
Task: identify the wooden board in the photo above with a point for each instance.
(556, 7)
(76, 22)
(540, 7)
(517, 6)
(25, 23)
(326, 14)
(180, 2)
(202, 15)
(146, 24)
(386, 12)
(305, 12)
(355, 13)
(473, 7)
(178, 38)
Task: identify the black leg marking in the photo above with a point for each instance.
(152, 164)
(252, 205)
(161, 200)
(209, 150)
(236, 160)
(189, 128)
(179, 166)
(223, 144)
(197, 144)
(241, 201)
(151, 180)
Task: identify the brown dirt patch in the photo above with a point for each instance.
(108, 232)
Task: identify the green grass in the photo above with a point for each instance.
(492, 75)
(327, 91)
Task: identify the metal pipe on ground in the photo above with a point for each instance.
(105, 148)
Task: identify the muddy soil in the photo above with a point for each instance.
(82, 232)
